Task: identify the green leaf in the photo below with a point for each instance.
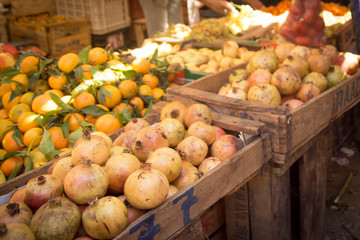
(17, 137)
(59, 102)
(74, 136)
(121, 118)
(47, 145)
(127, 114)
(83, 54)
(93, 110)
(10, 72)
(65, 127)
(29, 165)
(148, 111)
(45, 63)
(129, 73)
(15, 171)
(78, 71)
(10, 154)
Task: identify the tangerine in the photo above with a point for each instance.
(9, 143)
(17, 110)
(33, 136)
(68, 62)
(43, 104)
(141, 65)
(29, 64)
(27, 121)
(57, 82)
(4, 88)
(150, 80)
(121, 107)
(75, 120)
(97, 56)
(27, 98)
(58, 138)
(4, 113)
(145, 90)
(10, 164)
(20, 79)
(128, 88)
(115, 96)
(36, 157)
(158, 93)
(9, 104)
(137, 102)
(91, 118)
(83, 99)
(107, 123)
(4, 126)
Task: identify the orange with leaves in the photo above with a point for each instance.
(137, 102)
(83, 99)
(21, 81)
(9, 143)
(29, 64)
(9, 165)
(27, 120)
(150, 80)
(141, 65)
(97, 56)
(33, 136)
(107, 123)
(121, 107)
(75, 120)
(17, 110)
(128, 89)
(113, 99)
(68, 62)
(57, 82)
(9, 104)
(91, 118)
(58, 138)
(43, 104)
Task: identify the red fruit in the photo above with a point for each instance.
(218, 131)
(319, 24)
(10, 49)
(302, 40)
(309, 16)
(312, 33)
(300, 27)
(287, 32)
(297, 9)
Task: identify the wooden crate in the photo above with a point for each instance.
(195, 203)
(57, 39)
(343, 37)
(289, 130)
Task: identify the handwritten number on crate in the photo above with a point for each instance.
(149, 231)
(185, 206)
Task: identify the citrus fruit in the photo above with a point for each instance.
(68, 62)
(75, 120)
(97, 56)
(27, 98)
(58, 138)
(29, 64)
(141, 65)
(107, 123)
(145, 90)
(9, 142)
(128, 89)
(158, 93)
(27, 120)
(57, 82)
(33, 136)
(17, 110)
(137, 102)
(150, 80)
(9, 104)
(83, 99)
(115, 98)
(8, 166)
(21, 80)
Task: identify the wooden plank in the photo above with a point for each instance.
(269, 199)
(213, 218)
(72, 43)
(70, 27)
(191, 201)
(194, 231)
(237, 214)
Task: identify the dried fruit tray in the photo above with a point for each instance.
(289, 130)
(186, 206)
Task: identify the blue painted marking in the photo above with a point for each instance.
(185, 206)
(149, 230)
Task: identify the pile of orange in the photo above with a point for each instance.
(70, 94)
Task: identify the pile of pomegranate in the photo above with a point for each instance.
(105, 185)
(289, 74)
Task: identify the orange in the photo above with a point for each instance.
(27, 121)
(33, 136)
(68, 62)
(115, 98)
(97, 56)
(27, 98)
(107, 123)
(138, 102)
(75, 120)
(121, 107)
(17, 110)
(86, 71)
(43, 104)
(83, 99)
(9, 165)
(58, 138)
(174, 84)
(9, 142)
(145, 90)
(5, 100)
(128, 88)
(2, 153)
(4, 113)
(29, 64)
(57, 82)
(57, 92)
(141, 65)
(21, 80)
(143, 112)
(4, 88)
(171, 77)
(40, 86)
(36, 157)
(91, 118)
(158, 93)
(150, 80)
(4, 126)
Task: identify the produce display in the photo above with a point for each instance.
(39, 21)
(105, 185)
(289, 74)
(46, 103)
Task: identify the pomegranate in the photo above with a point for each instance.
(188, 174)
(301, 51)
(105, 136)
(16, 231)
(105, 218)
(218, 132)
(90, 148)
(318, 63)
(146, 188)
(203, 131)
(59, 218)
(61, 167)
(15, 212)
(282, 50)
(264, 93)
(307, 92)
(40, 189)
(238, 75)
(173, 129)
(335, 75)
(207, 165)
(172, 191)
(224, 89)
(225, 147)
(125, 139)
(85, 182)
(264, 59)
(230, 49)
(287, 98)
(317, 79)
(197, 112)
(133, 213)
(330, 52)
(298, 63)
(292, 104)
(348, 62)
(18, 195)
(174, 109)
(147, 140)
(193, 150)
(241, 84)
(259, 76)
(226, 62)
(236, 93)
(118, 168)
(286, 79)
(118, 150)
(167, 161)
(136, 124)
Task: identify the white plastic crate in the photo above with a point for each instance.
(104, 15)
